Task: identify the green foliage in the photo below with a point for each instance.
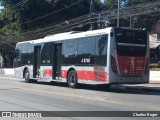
(146, 20)
(112, 4)
(9, 19)
(19, 16)
(141, 21)
(136, 2)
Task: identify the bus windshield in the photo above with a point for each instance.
(131, 42)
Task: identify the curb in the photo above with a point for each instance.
(9, 75)
(12, 78)
(143, 88)
(140, 88)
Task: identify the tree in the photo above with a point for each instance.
(139, 21)
(19, 16)
(24, 16)
(145, 20)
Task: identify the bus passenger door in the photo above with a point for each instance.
(36, 65)
(57, 55)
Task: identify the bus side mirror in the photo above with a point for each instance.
(15, 54)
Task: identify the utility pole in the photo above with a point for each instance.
(130, 21)
(118, 15)
(91, 7)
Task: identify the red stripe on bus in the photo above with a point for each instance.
(47, 72)
(132, 65)
(89, 75)
(83, 75)
(64, 73)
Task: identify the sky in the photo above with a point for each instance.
(1, 7)
(102, 1)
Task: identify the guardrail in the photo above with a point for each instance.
(155, 75)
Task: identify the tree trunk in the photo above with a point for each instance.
(5, 61)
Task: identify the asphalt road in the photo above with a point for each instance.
(16, 95)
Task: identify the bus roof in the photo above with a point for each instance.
(29, 41)
(71, 35)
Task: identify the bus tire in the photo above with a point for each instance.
(72, 79)
(27, 76)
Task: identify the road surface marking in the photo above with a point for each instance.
(76, 96)
(70, 95)
(154, 107)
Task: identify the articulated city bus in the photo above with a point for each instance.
(106, 56)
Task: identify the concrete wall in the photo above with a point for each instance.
(6, 71)
(154, 75)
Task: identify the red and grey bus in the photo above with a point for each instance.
(106, 56)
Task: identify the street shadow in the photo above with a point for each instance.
(123, 90)
(6, 89)
(155, 83)
(102, 88)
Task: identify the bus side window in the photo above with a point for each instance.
(46, 54)
(72, 48)
(86, 51)
(69, 52)
(72, 51)
(101, 50)
(17, 54)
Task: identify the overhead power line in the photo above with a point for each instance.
(135, 10)
(64, 26)
(41, 32)
(20, 3)
(38, 18)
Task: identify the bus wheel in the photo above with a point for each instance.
(72, 79)
(26, 76)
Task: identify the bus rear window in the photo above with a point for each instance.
(131, 42)
(130, 36)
